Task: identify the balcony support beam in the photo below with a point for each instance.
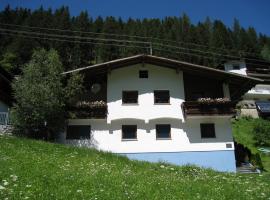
(226, 90)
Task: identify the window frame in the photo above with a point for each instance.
(142, 74)
(164, 138)
(203, 136)
(88, 137)
(129, 139)
(164, 103)
(127, 91)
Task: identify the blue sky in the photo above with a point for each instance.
(249, 12)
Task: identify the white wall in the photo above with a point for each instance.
(184, 136)
(160, 78)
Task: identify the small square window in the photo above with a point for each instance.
(129, 132)
(208, 131)
(143, 73)
(163, 131)
(76, 132)
(130, 97)
(162, 96)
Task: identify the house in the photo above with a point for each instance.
(256, 102)
(157, 109)
(5, 97)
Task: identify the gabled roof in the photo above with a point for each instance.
(165, 62)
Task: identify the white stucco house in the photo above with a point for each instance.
(256, 101)
(157, 109)
(5, 97)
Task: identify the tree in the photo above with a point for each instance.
(266, 52)
(8, 61)
(41, 97)
(261, 131)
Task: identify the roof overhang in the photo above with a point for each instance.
(165, 62)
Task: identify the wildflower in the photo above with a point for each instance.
(162, 166)
(5, 182)
(14, 177)
(172, 169)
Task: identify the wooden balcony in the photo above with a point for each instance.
(195, 108)
(89, 110)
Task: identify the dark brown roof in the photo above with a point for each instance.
(165, 62)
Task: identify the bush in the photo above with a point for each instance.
(261, 131)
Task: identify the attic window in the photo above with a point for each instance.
(143, 73)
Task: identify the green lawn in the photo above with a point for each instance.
(242, 132)
(37, 170)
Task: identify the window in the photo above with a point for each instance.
(143, 73)
(162, 96)
(163, 131)
(129, 132)
(236, 66)
(130, 97)
(76, 132)
(208, 131)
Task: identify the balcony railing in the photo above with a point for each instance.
(195, 108)
(96, 110)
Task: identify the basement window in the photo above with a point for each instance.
(143, 74)
(78, 132)
(161, 96)
(129, 132)
(208, 131)
(130, 97)
(163, 131)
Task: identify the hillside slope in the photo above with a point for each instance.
(38, 170)
(242, 133)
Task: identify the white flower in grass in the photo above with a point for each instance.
(2, 187)
(162, 166)
(5, 183)
(14, 177)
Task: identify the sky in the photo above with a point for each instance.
(248, 12)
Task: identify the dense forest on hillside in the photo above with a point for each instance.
(81, 40)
